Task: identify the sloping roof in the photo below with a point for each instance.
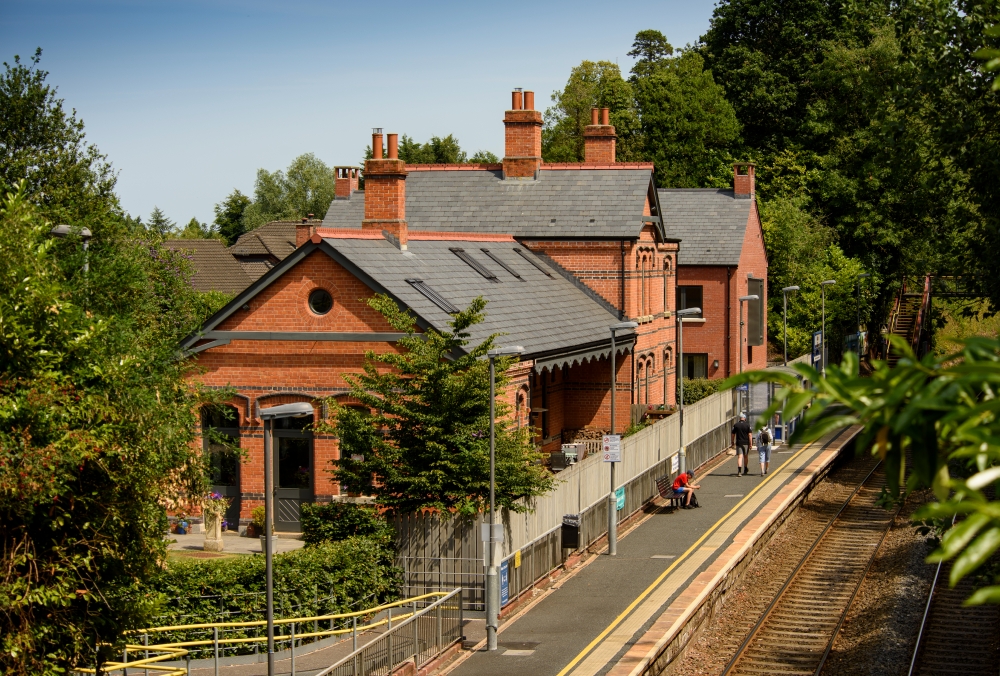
(710, 223)
(215, 269)
(255, 268)
(592, 203)
(547, 315)
(276, 238)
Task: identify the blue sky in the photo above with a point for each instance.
(188, 99)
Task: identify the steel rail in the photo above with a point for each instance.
(795, 572)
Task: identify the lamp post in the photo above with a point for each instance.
(822, 345)
(612, 502)
(744, 299)
(269, 415)
(863, 275)
(680, 315)
(85, 235)
(785, 291)
(492, 576)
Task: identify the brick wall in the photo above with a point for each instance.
(522, 143)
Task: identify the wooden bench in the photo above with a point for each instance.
(665, 487)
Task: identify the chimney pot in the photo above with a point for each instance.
(393, 143)
(605, 117)
(376, 144)
(515, 99)
(311, 216)
(529, 100)
(594, 113)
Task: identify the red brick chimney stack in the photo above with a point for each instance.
(743, 179)
(523, 131)
(346, 181)
(599, 138)
(385, 189)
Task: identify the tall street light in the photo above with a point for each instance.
(612, 501)
(785, 292)
(863, 275)
(680, 315)
(84, 234)
(822, 345)
(269, 415)
(744, 299)
(492, 577)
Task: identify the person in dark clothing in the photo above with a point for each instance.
(741, 440)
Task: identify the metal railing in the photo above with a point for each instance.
(151, 657)
(421, 637)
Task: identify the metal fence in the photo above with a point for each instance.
(436, 553)
(420, 638)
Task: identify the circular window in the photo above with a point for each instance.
(320, 301)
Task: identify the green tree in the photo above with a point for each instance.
(590, 85)
(688, 128)
(436, 151)
(195, 229)
(97, 422)
(426, 446)
(306, 187)
(69, 180)
(484, 157)
(159, 223)
(229, 216)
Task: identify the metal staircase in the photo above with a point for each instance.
(911, 320)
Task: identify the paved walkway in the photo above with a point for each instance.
(231, 544)
(586, 624)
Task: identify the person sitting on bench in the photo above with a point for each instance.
(683, 488)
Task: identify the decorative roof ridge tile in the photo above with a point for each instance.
(455, 167)
(558, 166)
(413, 235)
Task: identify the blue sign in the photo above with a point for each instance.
(504, 583)
(620, 497)
(745, 387)
(817, 348)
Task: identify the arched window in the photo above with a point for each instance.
(666, 273)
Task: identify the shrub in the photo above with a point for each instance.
(696, 389)
(334, 521)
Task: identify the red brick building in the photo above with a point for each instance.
(560, 252)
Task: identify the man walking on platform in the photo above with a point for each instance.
(764, 440)
(741, 439)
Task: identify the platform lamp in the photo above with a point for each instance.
(269, 415)
(84, 234)
(680, 315)
(785, 291)
(744, 299)
(612, 502)
(822, 345)
(492, 576)
(863, 275)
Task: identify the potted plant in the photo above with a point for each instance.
(214, 509)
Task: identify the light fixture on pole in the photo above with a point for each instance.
(863, 275)
(822, 345)
(743, 299)
(680, 315)
(64, 230)
(492, 576)
(612, 500)
(785, 291)
(268, 416)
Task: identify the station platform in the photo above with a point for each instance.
(619, 615)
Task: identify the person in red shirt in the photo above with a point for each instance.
(683, 488)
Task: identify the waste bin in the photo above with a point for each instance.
(571, 531)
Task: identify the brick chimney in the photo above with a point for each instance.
(523, 132)
(346, 181)
(304, 230)
(385, 189)
(599, 139)
(743, 179)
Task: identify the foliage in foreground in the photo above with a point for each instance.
(335, 521)
(944, 411)
(420, 437)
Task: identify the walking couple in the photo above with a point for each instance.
(742, 440)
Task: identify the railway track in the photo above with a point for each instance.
(797, 628)
(956, 639)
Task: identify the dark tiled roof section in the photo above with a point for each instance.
(710, 223)
(255, 268)
(560, 203)
(276, 238)
(554, 315)
(215, 269)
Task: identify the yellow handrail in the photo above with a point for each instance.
(176, 650)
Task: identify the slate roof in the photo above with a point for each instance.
(710, 223)
(593, 203)
(276, 238)
(541, 313)
(215, 269)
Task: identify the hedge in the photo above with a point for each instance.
(353, 574)
(334, 521)
(696, 389)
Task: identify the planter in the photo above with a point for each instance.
(213, 533)
(274, 543)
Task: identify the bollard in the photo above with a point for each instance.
(293, 649)
(145, 642)
(215, 647)
(125, 660)
(354, 633)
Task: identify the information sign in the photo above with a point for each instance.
(817, 348)
(675, 462)
(612, 448)
(620, 497)
(504, 583)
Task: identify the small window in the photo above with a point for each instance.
(695, 366)
(433, 296)
(690, 296)
(475, 265)
(320, 301)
